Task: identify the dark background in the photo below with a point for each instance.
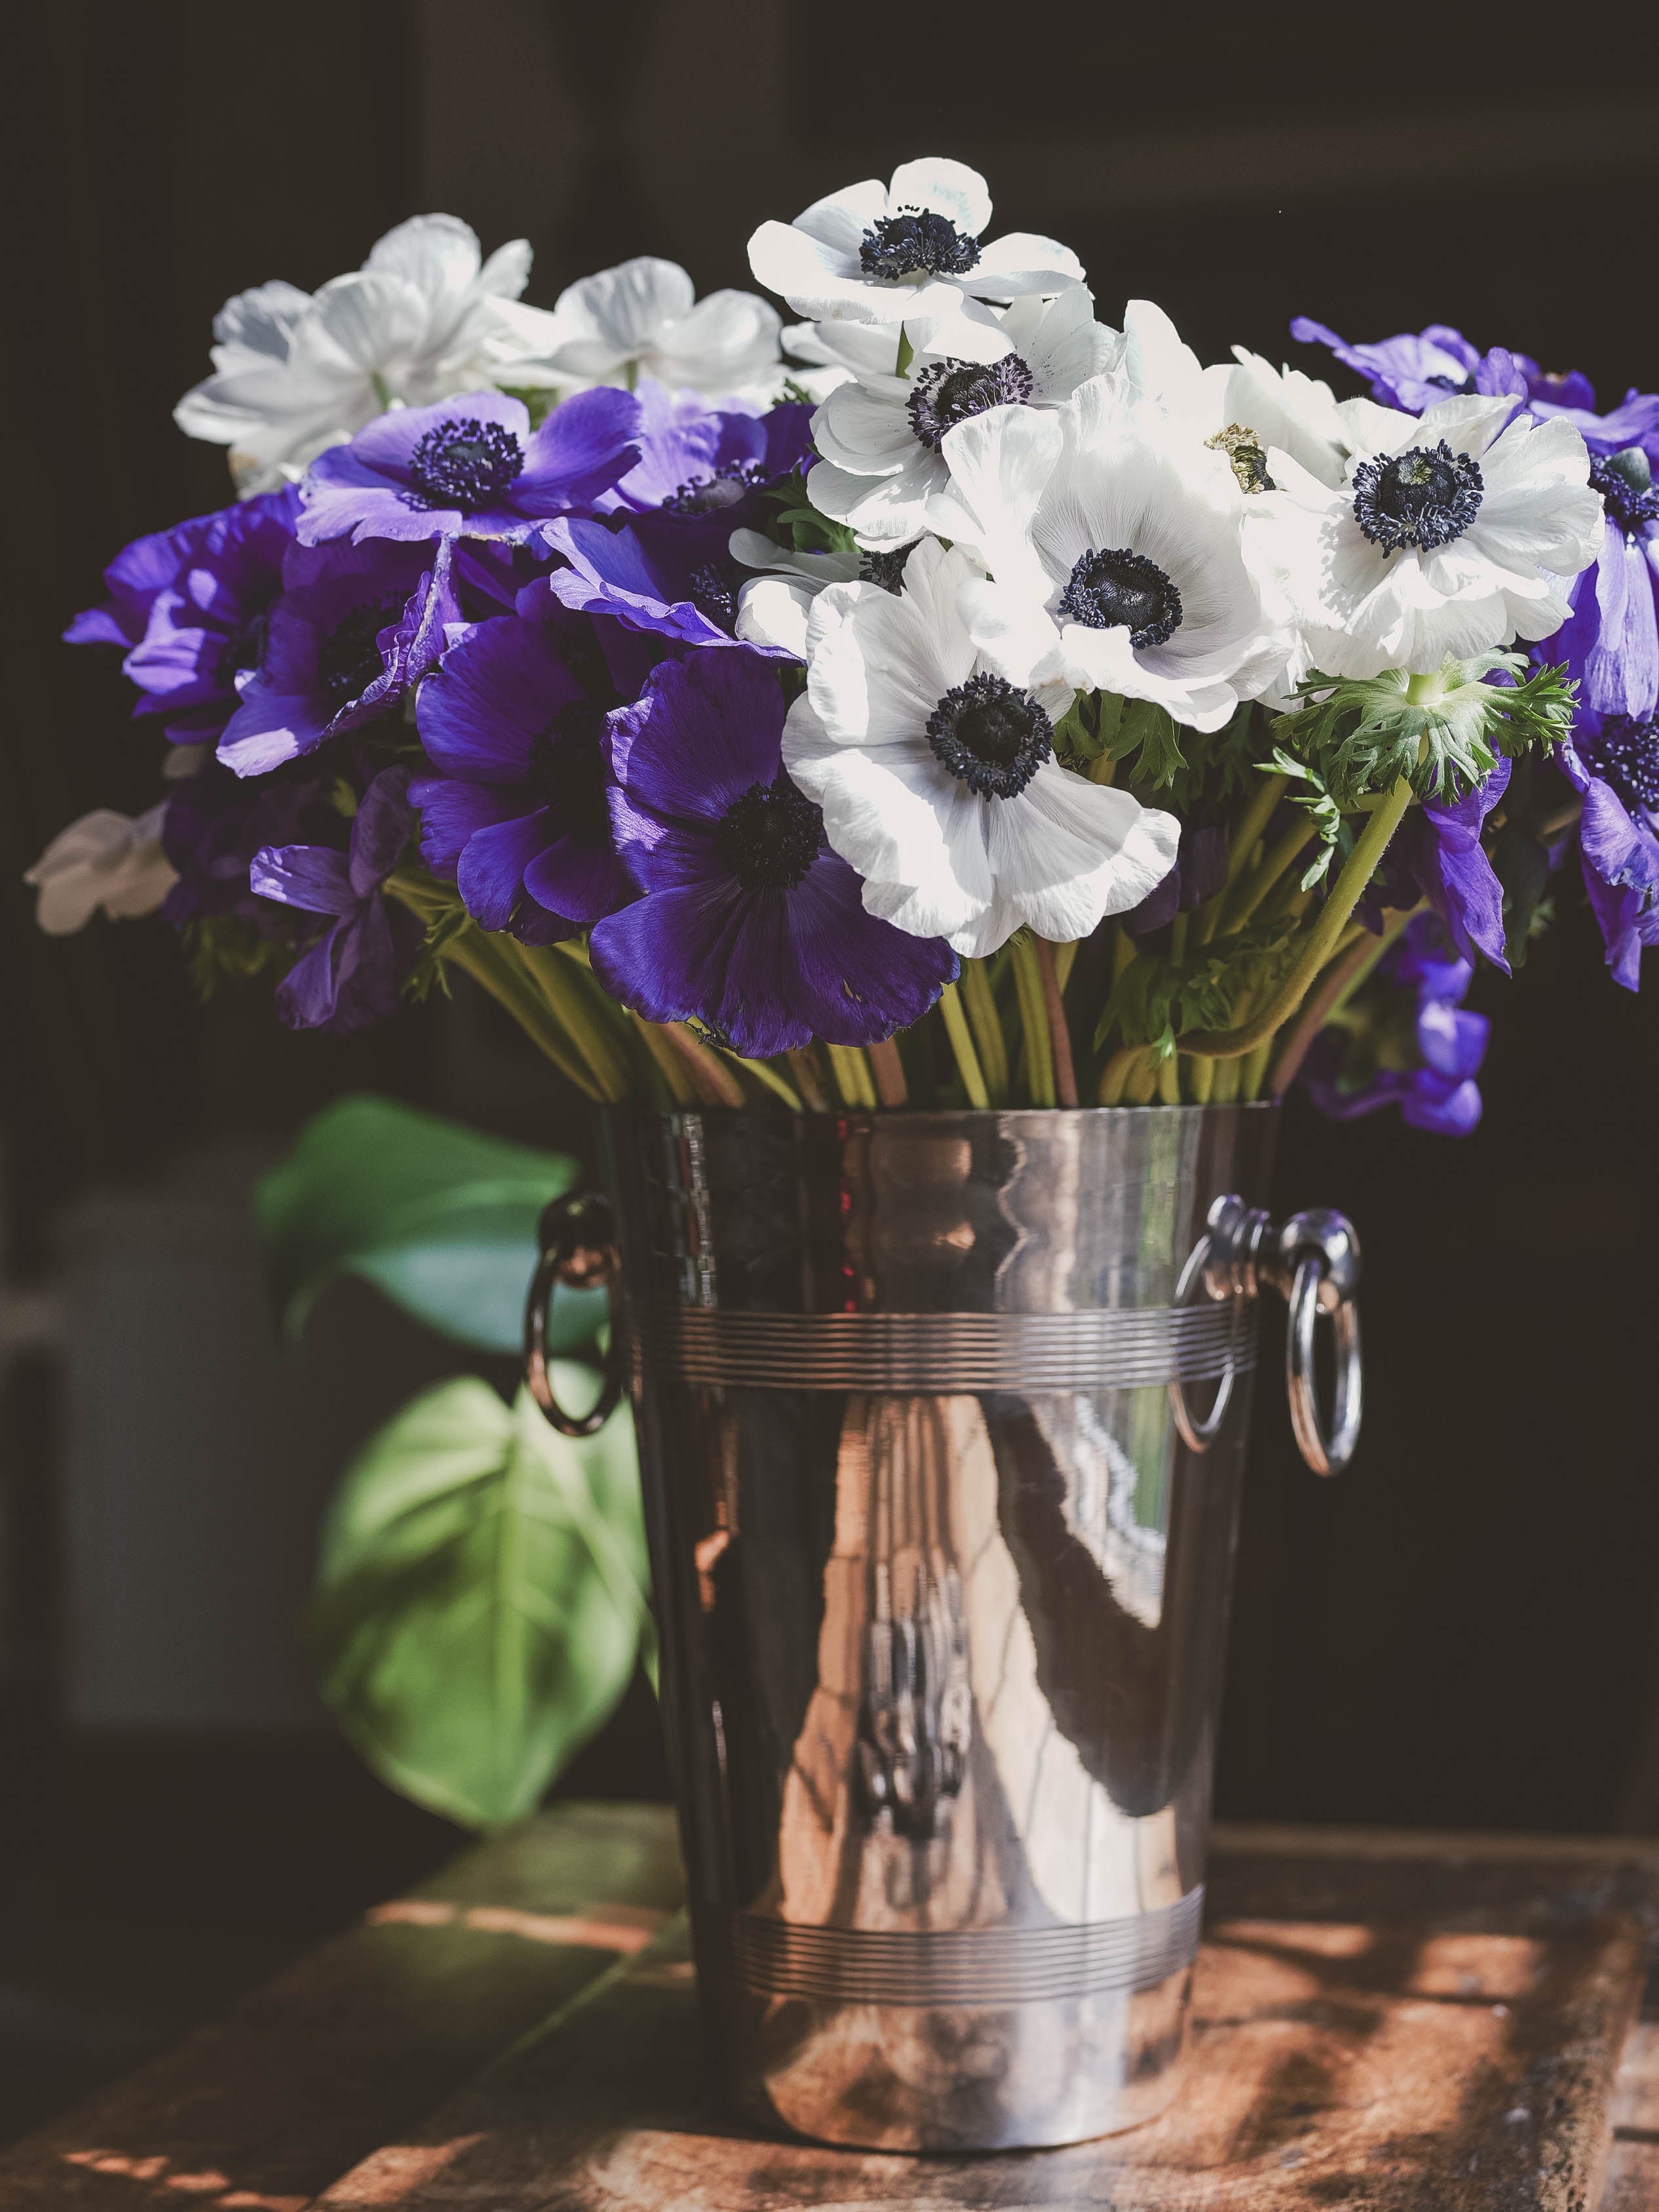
(1459, 1632)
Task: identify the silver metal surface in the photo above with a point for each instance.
(578, 1241)
(942, 1595)
(1313, 1260)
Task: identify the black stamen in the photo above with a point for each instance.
(911, 242)
(886, 569)
(713, 589)
(1121, 590)
(951, 392)
(1625, 754)
(1423, 497)
(770, 837)
(991, 735)
(1624, 481)
(348, 659)
(464, 463)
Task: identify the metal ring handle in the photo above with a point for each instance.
(1311, 1294)
(579, 1248)
(1198, 1435)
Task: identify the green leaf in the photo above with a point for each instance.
(439, 1219)
(481, 1596)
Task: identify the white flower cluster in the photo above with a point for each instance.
(1041, 505)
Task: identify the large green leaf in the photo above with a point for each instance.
(481, 1596)
(439, 1219)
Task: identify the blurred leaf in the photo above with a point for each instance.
(481, 1596)
(439, 1218)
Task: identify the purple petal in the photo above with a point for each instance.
(382, 826)
(703, 731)
(580, 449)
(493, 696)
(310, 876)
(490, 875)
(581, 879)
(452, 811)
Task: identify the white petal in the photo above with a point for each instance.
(1022, 261)
(773, 611)
(435, 254)
(1000, 463)
(948, 188)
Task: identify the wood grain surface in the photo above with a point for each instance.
(1382, 2022)
(358, 2042)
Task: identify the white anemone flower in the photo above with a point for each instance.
(425, 316)
(1244, 406)
(937, 780)
(104, 859)
(881, 436)
(882, 253)
(1115, 549)
(1451, 535)
(773, 605)
(644, 318)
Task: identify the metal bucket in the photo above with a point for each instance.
(942, 1586)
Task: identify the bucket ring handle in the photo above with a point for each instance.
(1313, 1261)
(578, 1239)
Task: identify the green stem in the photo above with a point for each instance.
(1344, 896)
(1252, 822)
(962, 1045)
(565, 986)
(480, 956)
(1034, 1020)
(853, 1078)
(1115, 1076)
(980, 1002)
(1353, 964)
(1200, 1073)
(763, 1072)
(1143, 1082)
(1252, 1069)
(1255, 887)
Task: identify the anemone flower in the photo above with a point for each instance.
(749, 923)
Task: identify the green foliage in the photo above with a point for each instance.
(1334, 837)
(786, 517)
(1445, 734)
(222, 948)
(481, 1596)
(1160, 996)
(440, 1220)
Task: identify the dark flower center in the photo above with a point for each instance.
(348, 659)
(709, 494)
(886, 569)
(464, 463)
(947, 393)
(991, 735)
(912, 242)
(244, 648)
(1626, 484)
(1625, 754)
(769, 838)
(1423, 497)
(1121, 590)
(712, 589)
(566, 768)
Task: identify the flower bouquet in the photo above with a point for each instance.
(889, 727)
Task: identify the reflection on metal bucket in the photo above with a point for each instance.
(943, 1596)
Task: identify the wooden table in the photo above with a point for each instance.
(1390, 2021)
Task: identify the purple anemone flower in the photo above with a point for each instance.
(750, 923)
(1441, 844)
(1414, 370)
(469, 467)
(352, 974)
(356, 626)
(1425, 1063)
(695, 460)
(517, 810)
(673, 576)
(1613, 763)
(1610, 642)
(189, 605)
(214, 825)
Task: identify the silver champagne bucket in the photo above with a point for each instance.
(942, 1423)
